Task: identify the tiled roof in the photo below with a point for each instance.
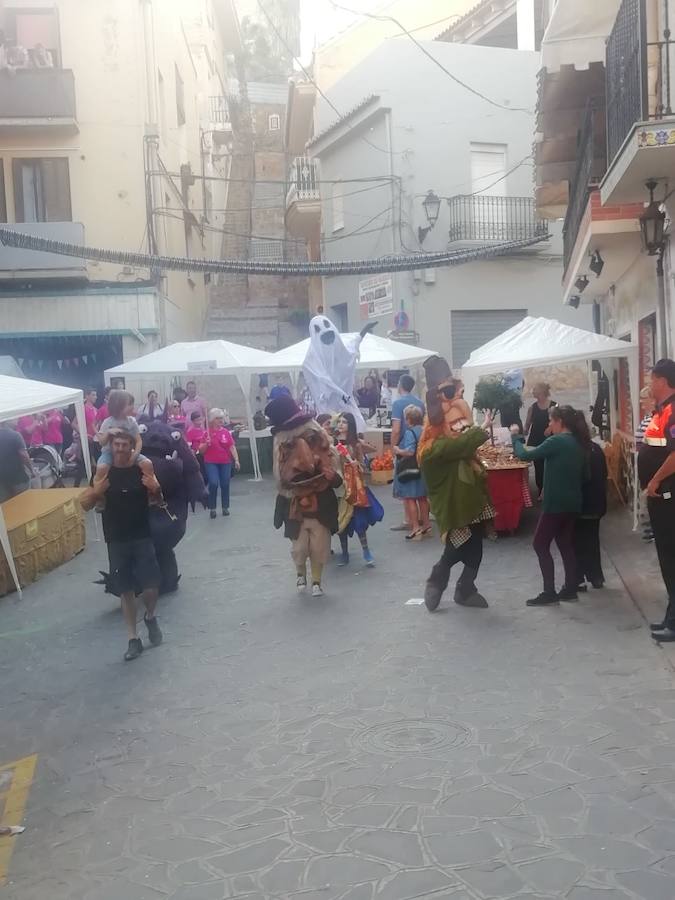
(371, 98)
(447, 32)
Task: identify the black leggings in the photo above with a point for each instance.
(558, 527)
(587, 549)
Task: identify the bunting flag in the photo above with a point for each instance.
(59, 363)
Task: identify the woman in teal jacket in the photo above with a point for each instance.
(565, 456)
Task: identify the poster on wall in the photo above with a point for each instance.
(376, 296)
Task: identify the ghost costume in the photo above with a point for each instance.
(329, 369)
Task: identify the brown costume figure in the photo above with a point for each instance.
(306, 472)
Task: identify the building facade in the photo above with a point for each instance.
(605, 130)
(422, 132)
(115, 133)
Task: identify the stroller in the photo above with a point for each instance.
(48, 466)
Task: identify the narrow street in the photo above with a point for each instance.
(351, 747)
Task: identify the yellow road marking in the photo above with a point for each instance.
(15, 781)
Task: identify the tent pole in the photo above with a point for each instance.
(252, 439)
(4, 541)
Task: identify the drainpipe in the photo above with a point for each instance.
(661, 305)
(151, 139)
(394, 238)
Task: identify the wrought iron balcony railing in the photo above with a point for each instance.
(219, 110)
(303, 180)
(474, 217)
(591, 166)
(631, 63)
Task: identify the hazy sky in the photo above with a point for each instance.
(320, 21)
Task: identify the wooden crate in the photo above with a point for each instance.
(385, 476)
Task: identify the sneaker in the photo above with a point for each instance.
(598, 583)
(226, 512)
(317, 590)
(344, 559)
(569, 594)
(658, 626)
(544, 599)
(301, 584)
(135, 649)
(368, 558)
(154, 631)
(212, 514)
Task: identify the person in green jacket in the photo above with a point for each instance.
(565, 454)
(459, 499)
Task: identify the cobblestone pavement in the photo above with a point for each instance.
(350, 747)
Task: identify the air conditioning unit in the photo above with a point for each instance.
(430, 276)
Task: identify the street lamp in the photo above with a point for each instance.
(432, 207)
(652, 226)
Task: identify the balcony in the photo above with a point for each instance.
(480, 219)
(640, 120)
(303, 199)
(37, 98)
(31, 265)
(219, 123)
(590, 168)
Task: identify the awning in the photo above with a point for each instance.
(577, 32)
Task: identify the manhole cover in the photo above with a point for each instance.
(413, 736)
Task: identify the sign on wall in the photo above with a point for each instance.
(376, 296)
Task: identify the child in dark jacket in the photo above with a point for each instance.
(587, 526)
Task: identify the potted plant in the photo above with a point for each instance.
(493, 395)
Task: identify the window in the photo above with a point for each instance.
(488, 169)
(339, 315)
(337, 203)
(274, 122)
(259, 248)
(180, 99)
(3, 196)
(37, 30)
(42, 190)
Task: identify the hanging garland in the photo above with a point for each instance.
(257, 267)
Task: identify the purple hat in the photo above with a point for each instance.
(284, 414)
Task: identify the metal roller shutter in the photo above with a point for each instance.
(471, 328)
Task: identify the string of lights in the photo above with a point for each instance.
(397, 263)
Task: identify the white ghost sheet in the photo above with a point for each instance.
(329, 369)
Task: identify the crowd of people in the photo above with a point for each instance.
(320, 465)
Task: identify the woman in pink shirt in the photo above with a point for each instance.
(52, 433)
(220, 454)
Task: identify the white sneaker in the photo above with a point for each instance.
(317, 590)
(301, 584)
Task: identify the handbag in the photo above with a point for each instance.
(408, 468)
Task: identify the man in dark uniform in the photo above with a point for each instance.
(656, 468)
(126, 528)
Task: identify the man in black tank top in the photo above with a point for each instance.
(126, 529)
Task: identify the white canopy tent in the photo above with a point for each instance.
(544, 342)
(208, 358)
(22, 397)
(376, 353)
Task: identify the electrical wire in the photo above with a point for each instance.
(474, 91)
(167, 213)
(395, 263)
(385, 179)
(312, 81)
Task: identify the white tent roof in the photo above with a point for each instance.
(376, 352)
(194, 357)
(542, 342)
(21, 396)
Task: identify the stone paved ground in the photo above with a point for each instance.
(350, 747)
